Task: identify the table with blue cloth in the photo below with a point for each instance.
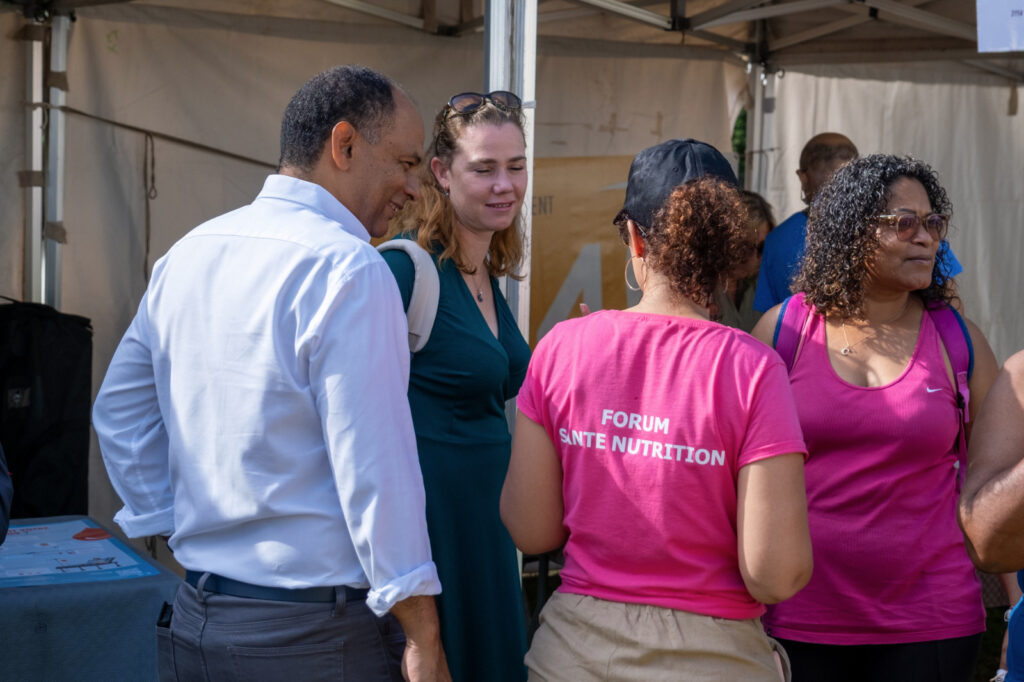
(77, 603)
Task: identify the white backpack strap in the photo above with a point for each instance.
(426, 291)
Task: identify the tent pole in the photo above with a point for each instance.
(754, 126)
(510, 35)
(56, 143)
(759, 128)
(766, 149)
(510, 63)
(33, 176)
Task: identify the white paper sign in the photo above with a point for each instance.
(1000, 25)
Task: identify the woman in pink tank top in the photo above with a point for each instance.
(894, 595)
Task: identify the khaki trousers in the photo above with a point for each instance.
(584, 639)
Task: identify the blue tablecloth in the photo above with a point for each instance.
(76, 604)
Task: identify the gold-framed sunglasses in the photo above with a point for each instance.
(906, 225)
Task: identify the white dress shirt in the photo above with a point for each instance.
(256, 408)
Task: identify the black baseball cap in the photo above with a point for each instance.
(658, 170)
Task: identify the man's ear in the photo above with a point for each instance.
(805, 185)
(441, 173)
(343, 137)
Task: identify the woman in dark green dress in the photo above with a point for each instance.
(475, 360)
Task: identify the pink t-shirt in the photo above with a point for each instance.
(890, 565)
(652, 417)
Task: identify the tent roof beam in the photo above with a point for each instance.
(631, 12)
(700, 19)
(1012, 74)
(731, 43)
(864, 16)
(380, 12)
(588, 47)
(899, 13)
(870, 56)
(769, 12)
(636, 12)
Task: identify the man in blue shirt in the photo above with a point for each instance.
(784, 247)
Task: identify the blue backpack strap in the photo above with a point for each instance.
(789, 328)
(957, 341)
(967, 338)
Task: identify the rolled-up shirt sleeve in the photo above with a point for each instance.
(132, 437)
(359, 373)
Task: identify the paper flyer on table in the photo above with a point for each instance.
(65, 552)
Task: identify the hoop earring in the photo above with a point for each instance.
(625, 275)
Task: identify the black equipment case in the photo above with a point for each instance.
(45, 394)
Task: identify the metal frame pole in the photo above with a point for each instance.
(56, 144)
(510, 63)
(767, 123)
(759, 128)
(34, 140)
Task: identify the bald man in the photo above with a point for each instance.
(821, 157)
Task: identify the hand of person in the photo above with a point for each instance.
(424, 664)
(423, 659)
(584, 309)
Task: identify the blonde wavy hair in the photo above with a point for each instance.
(432, 218)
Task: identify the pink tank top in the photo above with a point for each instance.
(890, 564)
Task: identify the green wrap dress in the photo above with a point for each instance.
(458, 386)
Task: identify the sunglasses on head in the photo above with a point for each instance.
(906, 225)
(468, 102)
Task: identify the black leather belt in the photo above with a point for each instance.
(236, 588)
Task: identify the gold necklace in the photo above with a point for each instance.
(848, 348)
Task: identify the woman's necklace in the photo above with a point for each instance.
(848, 348)
(472, 284)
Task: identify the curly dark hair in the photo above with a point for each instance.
(698, 238)
(841, 237)
(356, 94)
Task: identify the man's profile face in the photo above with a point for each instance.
(812, 179)
(386, 171)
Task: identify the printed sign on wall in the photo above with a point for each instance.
(1000, 25)
(577, 255)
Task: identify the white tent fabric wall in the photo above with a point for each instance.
(956, 122)
(227, 89)
(603, 106)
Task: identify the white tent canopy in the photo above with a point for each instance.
(173, 97)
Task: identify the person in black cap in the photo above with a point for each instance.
(663, 451)
(658, 170)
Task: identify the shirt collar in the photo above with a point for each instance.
(287, 188)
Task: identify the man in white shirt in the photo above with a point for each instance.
(255, 412)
